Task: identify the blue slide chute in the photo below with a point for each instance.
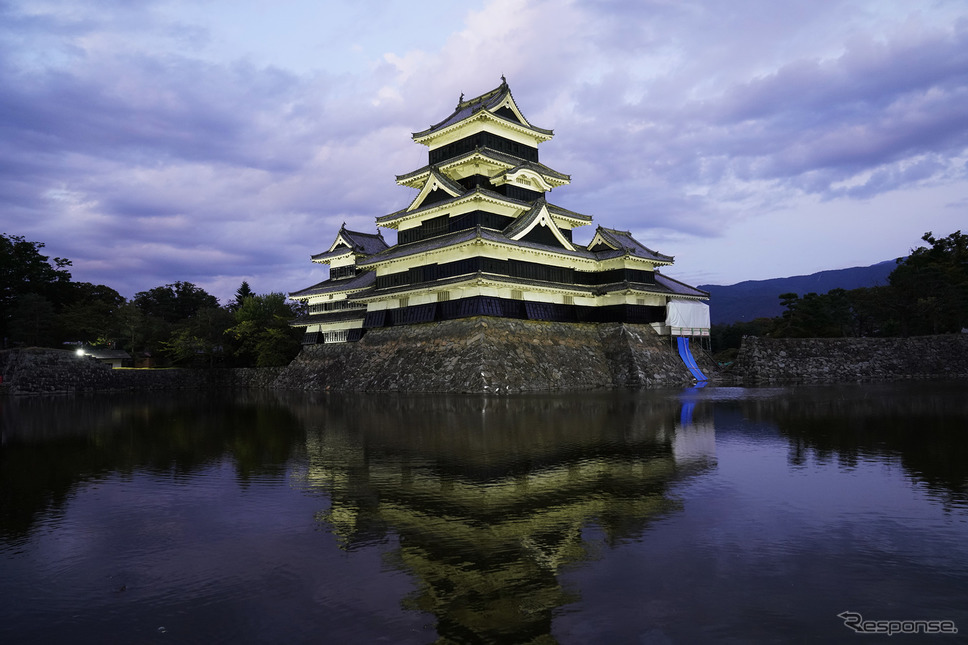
(688, 359)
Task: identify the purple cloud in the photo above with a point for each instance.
(131, 145)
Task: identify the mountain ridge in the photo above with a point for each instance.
(751, 299)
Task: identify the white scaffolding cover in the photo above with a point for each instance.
(687, 314)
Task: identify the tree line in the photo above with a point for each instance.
(927, 293)
(181, 324)
(177, 324)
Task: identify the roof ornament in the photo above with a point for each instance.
(504, 81)
(460, 100)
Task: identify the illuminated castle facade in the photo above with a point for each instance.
(481, 238)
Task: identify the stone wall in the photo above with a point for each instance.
(833, 360)
(53, 371)
(495, 355)
(473, 355)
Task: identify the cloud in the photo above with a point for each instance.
(141, 141)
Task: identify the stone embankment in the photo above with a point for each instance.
(492, 355)
(54, 371)
(475, 355)
(840, 360)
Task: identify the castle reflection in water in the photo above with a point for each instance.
(489, 501)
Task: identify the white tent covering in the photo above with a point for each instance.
(687, 317)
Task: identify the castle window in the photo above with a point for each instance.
(336, 336)
(337, 273)
(338, 305)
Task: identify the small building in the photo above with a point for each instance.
(482, 238)
(113, 357)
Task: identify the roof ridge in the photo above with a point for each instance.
(461, 103)
(615, 230)
(377, 234)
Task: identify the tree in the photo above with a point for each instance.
(829, 315)
(932, 286)
(174, 302)
(874, 311)
(727, 338)
(166, 310)
(200, 340)
(263, 333)
(91, 314)
(32, 321)
(24, 270)
(243, 292)
(130, 323)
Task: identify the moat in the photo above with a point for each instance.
(671, 515)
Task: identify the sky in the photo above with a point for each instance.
(216, 141)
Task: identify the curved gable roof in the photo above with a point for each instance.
(497, 102)
(348, 241)
(537, 216)
(624, 243)
(436, 180)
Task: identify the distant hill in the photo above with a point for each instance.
(745, 301)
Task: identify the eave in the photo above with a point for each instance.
(393, 220)
(436, 181)
(500, 161)
(579, 259)
(538, 135)
(329, 286)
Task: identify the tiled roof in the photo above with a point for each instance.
(564, 212)
(360, 281)
(422, 246)
(367, 242)
(523, 221)
(328, 255)
(488, 101)
(663, 285)
(458, 237)
(625, 243)
(500, 157)
(447, 182)
(591, 289)
(328, 317)
(442, 282)
(679, 288)
(362, 243)
(485, 192)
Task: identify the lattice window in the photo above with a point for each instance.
(336, 305)
(336, 336)
(338, 273)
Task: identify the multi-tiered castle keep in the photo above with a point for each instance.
(481, 238)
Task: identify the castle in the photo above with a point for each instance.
(481, 239)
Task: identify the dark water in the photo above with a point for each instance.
(712, 515)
